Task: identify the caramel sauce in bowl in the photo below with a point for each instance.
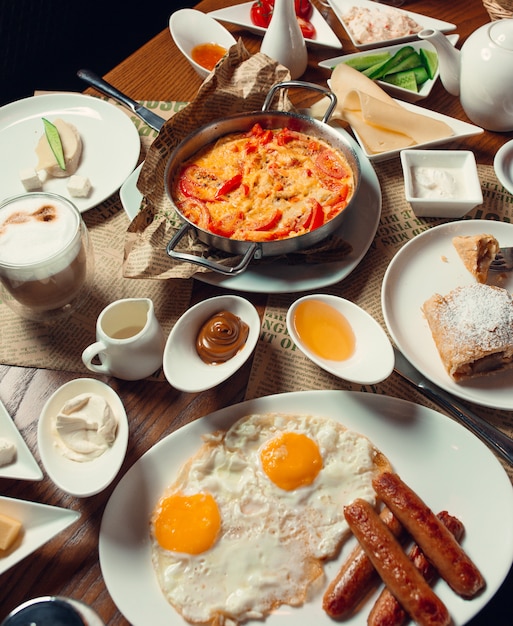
(210, 342)
(341, 338)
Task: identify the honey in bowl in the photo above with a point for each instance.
(207, 54)
(324, 331)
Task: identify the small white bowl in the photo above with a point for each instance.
(183, 367)
(373, 357)
(441, 183)
(190, 28)
(90, 477)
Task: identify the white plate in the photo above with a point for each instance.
(110, 152)
(240, 15)
(183, 367)
(41, 522)
(358, 229)
(503, 165)
(394, 90)
(342, 7)
(426, 265)
(25, 466)
(448, 466)
(91, 477)
(459, 128)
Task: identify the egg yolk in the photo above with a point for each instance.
(188, 524)
(324, 330)
(291, 460)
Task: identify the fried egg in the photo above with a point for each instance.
(253, 515)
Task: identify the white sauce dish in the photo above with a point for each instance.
(503, 165)
(190, 28)
(372, 357)
(183, 367)
(81, 478)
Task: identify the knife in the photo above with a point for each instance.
(155, 121)
(497, 440)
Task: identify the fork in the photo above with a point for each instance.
(503, 261)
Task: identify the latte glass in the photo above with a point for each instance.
(46, 258)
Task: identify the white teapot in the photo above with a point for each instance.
(481, 73)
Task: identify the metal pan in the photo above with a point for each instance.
(242, 123)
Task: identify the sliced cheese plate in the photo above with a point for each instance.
(40, 523)
(342, 7)
(395, 90)
(24, 465)
(240, 16)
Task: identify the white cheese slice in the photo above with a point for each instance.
(7, 452)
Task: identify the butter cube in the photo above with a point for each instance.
(79, 186)
(9, 531)
(30, 179)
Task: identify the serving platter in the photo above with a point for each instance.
(111, 143)
(41, 522)
(24, 466)
(342, 7)
(395, 90)
(426, 265)
(240, 16)
(359, 229)
(446, 464)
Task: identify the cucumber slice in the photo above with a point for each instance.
(429, 60)
(405, 79)
(407, 63)
(402, 54)
(421, 75)
(368, 60)
(373, 69)
(54, 140)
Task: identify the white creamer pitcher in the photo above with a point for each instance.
(481, 73)
(130, 341)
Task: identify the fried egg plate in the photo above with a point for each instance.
(255, 512)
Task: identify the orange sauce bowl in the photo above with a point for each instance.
(202, 40)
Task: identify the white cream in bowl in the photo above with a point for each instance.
(79, 462)
(318, 323)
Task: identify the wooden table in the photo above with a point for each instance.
(68, 565)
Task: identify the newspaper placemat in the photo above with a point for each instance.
(59, 346)
(279, 367)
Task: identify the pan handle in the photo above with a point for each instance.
(211, 265)
(286, 84)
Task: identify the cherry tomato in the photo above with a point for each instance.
(304, 9)
(261, 12)
(307, 28)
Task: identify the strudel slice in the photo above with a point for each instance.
(477, 252)
(472, 327)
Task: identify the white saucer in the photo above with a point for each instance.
(111, 143)
(240, 16)
(503, 165)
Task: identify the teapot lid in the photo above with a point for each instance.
(501, 33)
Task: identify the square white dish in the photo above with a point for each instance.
(394, 90)
(342, 7)
(441, 183)
(240, 16)
(24, 466)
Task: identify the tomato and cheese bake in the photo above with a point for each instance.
(264, 185)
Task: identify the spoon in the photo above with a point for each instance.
(372, 359)
(86, 478)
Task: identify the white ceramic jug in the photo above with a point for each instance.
(284, 41)
(481, 73)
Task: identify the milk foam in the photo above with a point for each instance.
(32, 237)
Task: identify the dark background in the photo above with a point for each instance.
(44, 42)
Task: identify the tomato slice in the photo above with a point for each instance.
(197, 212)
(197, 182)
(227, 225)
(307, 28)
(266, 222)
(316, 217)
(328, 163)
(229, 185)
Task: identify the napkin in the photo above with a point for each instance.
(381, 123)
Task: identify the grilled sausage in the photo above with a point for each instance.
(435, 540)
(356, 577)
(386, 610)
(395, 568)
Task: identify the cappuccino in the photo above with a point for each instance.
(43, 255)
